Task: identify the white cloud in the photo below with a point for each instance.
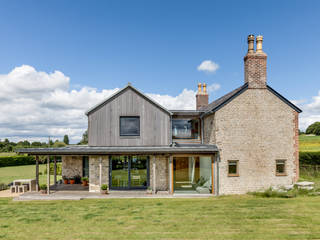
(208, 66)
(311, 111)
(35, 105)
(213, 87)
(184, 101)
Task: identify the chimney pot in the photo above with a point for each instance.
(204, 88)
(251, 43)
(199, 88)
(259, 40)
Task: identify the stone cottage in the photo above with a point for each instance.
(246, 140)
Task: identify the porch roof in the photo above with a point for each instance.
(89, 150)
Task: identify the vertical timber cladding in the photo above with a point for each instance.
(104, 129)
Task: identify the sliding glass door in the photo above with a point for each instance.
(129, 172)
(192, 174)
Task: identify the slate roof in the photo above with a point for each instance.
(220, 102)
(215, 105)
(89, 150)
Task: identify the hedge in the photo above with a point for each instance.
(309, 158)
(16, 161)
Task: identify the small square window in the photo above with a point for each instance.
(233, 170)
(130, 126)
(280, 167)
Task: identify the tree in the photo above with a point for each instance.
(84, 139)
(314, 129)
(59, 144)
(36, 144)
(66, 139)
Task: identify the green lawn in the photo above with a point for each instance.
(232, 217)
(309, 143)
(6, 154)
(8, 174)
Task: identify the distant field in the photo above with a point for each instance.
(309, 143)
(8, 174)
(5, 154)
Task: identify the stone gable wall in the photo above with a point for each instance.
(256, 128)
(71, 166)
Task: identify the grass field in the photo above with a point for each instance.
(5, 154)
(232, 217)
(8, 174)
(309, 143)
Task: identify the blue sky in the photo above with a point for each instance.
(158, 45)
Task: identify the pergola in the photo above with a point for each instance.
(190, 149)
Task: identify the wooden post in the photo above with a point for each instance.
(171, 174)
(212, 175)
(55, 171)
(37, 173)
(100, 172)
(154, 174)
(48, 175)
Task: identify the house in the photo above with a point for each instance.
(244, 141)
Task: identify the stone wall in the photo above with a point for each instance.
(71, 166)
(256, 128)
(94, 172)
(162, 173)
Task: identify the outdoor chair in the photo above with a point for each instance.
(14, 189)
(22, 188)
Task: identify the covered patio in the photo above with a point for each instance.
(161, 170)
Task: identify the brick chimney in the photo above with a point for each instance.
(255, 64)
(202, 97)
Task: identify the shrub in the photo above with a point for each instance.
(104, 187)
(309, 158)
(59, 169)
(16, 161)
(43, 186)
(3, 186)
(271, 193)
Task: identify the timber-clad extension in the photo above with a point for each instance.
(243, 141)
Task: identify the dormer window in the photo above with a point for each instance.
(129, 126)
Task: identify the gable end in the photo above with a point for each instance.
(286, 101)
(115, 95)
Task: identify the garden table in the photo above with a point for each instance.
(31, 182)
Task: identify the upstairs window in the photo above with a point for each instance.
(280, 167)
(129, 126)
(185, 128)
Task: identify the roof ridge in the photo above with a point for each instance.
(122, 90)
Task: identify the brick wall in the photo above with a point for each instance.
(256, 128)
(296, 143)
(255, 70)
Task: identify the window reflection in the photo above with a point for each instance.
(185, 128)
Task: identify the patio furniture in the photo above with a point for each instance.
(22, 188)
(14, 189)
(30, 182)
